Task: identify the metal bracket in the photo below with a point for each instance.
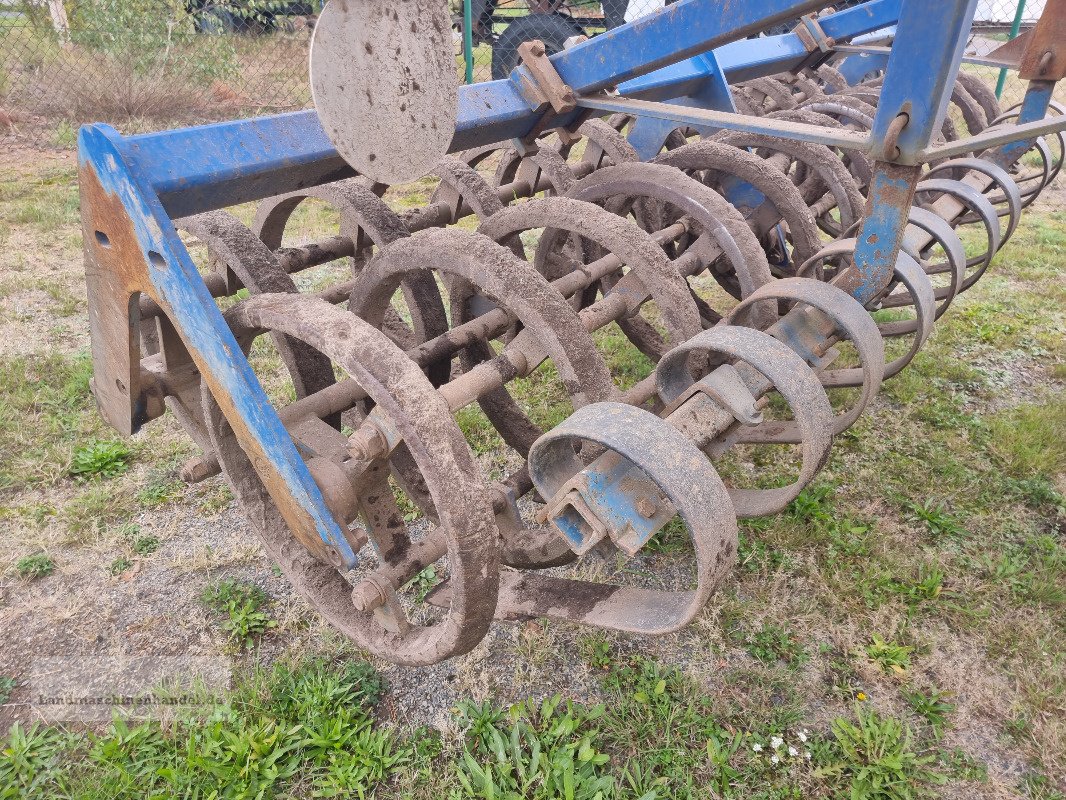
(611, 498)
(1045, 54)
(818, 45)
(725, 386)
(541, 83)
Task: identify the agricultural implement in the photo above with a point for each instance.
(755, 216)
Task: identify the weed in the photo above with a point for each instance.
(94, 509)
(45, 405)
(720, 754)
(963, 766)
(7, 686)
(28, 761)
(241, 606)
(34, 566)
(1038, 492)
(773, 643)
(812, 505)
(144, 545)
(933, 706)
(755, 555)
(539, 751)
(1040, 787)
(159, 492)
(105, 459)
(119, 565)
(647, 684)
(596, 651)
(927, 585)
(889, 656)
(876, 757)
(935, 517)
(422, 583)
(1031, 439)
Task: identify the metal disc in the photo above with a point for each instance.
(385, 86)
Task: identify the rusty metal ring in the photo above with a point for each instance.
(258, 270)
(1010, 196)
(369, 222)
(982, 208)
(843, 108)
(605, 141)
(832, 174)
(441, 453)
(681, 472)
(972, 112)
(783, 198)
(983, 95)
(919, 294)
(618, 235)
(791, 377)
(462, 185)
(832, 78)
(716, 219)
(850, 319)
(773, 90)
(482, 266)
(858, 162)
(945, 236)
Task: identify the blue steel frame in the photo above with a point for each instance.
(685, 54)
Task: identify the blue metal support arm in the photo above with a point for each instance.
(930, 39)
(214, 166)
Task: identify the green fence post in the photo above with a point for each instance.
(468, 40)
(1014, 28)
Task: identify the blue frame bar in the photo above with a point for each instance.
(215, 166)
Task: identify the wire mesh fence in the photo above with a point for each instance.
(182, 60)
(170, 59)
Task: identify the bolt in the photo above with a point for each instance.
(366, 444)
(647, 508)
(197, 469)
(367, 596)
(335, 557)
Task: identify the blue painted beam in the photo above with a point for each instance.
(173, 281)
(215, 166)
(677, 32)
(926, 54)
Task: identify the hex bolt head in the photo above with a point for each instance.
(647, 508)
(367, 596)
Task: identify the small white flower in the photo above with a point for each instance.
(802, 735)
(757, 747)
(774, 759)
(792, 751)
(807, 755)
(776, 742)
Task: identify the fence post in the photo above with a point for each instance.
(59, 22)
(468, 41)
(1014, 28)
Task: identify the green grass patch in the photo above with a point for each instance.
(34, 566)
(240, 607)
(1031, 439)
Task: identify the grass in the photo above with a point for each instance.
(1031, 439)
(38, 565)
(240, 609)
(878, 759)
(105, 459)
(889, 656)
(7, 686)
